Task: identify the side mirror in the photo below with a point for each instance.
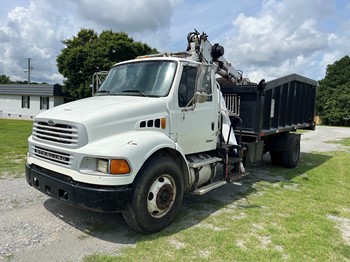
(203, 86)
(201, 97)
(97, 80)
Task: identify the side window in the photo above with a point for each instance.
(25, 102)
(44, 102)
(187, 85)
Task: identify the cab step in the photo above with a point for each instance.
(205, 189)
(197, 163)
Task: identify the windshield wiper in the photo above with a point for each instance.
(135, 91)
(103, 92)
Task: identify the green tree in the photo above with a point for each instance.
(333, 94)
(88, 52)
(5, 80)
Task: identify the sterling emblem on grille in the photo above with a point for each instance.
(50, 122)
(51, 155)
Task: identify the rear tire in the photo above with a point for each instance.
(291, 154)
(156, 196)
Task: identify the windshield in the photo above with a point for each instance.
(144, 78)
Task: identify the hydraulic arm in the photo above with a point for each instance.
(204, 51)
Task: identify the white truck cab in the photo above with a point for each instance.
(143, 140)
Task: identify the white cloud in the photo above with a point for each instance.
(285, 37)
(264, 38)
(36, 30)
(131, 16)
(30, 33)
(329, 58)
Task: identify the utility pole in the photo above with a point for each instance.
(29, 71)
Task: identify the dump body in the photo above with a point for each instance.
(285, 104)
(269, 112)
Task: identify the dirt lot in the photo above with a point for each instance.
(34, 227)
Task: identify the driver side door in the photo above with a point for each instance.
(196, 122)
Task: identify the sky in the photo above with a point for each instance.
(266, 39)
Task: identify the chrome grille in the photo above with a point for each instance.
(58, 133)
(53, 156)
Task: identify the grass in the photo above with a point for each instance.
(344, 141)
(277, 214)
(13, 146)
(283, 215)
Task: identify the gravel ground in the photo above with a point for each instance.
(36, 228)
(317, 140)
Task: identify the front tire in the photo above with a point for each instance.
(156, 196)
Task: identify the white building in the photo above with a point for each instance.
(26, 101)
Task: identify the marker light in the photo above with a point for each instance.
(119, 167)
(163, 123)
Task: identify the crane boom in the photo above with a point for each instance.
(203, 51)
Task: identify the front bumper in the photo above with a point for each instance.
(93, 197)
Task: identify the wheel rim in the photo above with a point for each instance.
(161, 196)
(295, 153)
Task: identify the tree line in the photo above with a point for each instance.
(5, 80)
(333, 94)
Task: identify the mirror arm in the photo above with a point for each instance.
(188, 107)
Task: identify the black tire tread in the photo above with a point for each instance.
(130, 212)
(292, 147)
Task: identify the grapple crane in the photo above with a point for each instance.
(203, 51)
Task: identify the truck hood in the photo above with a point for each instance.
(107, 115)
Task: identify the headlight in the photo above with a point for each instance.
(102, 165)
(113, 166)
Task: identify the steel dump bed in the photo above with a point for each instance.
(284, 104)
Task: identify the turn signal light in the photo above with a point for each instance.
(119, 167)
(163, 123)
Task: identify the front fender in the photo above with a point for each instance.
(136, 147)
